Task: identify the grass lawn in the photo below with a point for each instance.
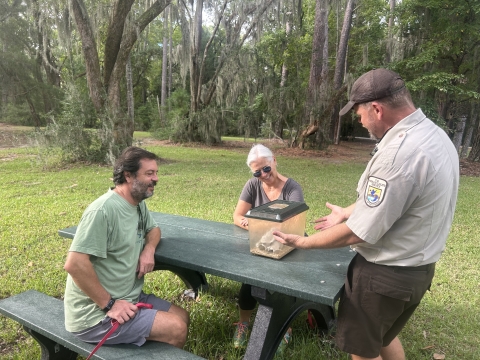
(206, 183)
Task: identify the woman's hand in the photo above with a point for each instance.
(244, 222)
(239, 218)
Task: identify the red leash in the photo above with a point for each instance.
(115, 326)
(311, 320)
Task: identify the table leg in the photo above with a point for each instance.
(50, 349)
(275, 312)
(193, 279)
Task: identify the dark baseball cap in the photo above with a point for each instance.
(373, 85)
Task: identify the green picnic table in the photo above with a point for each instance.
(303, 279)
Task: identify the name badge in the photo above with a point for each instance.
(375, 191)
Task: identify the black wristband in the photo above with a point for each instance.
(109, 305)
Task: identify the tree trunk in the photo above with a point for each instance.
(44, 54)
(315, 80)
(205, 53)
(90, 54)
(160, 116)
(130, 99)
(115, 30)
(119, 43)
(335, 120)
(195, 43)
(459, 130)
(471, 128)
(170, 53)
(475, 151)
(164, 68)
(324, 124)
(389, 52)
(278, 124)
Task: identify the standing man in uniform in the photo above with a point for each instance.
(112, 250)
(400, 222)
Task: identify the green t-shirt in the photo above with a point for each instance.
(112, 232)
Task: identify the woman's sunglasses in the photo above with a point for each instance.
(265, 169)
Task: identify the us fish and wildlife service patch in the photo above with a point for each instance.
(375, 191)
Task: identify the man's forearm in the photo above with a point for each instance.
(152, 238)
(146, 262)
(335, 237)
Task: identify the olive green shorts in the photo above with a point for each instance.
(376, 304)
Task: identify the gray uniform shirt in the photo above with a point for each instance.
(407, 195)
(253, 193)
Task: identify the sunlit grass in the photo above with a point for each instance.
(237, 138)
(206, 183)
(141, 135)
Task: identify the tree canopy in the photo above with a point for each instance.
(199, 70)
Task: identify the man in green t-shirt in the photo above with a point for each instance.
(112, 250)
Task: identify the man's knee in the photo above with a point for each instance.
(180, 312)
(179, 332)
(170, 328)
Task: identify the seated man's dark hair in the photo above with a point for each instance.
(129, 161)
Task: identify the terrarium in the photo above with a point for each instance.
(286, 216)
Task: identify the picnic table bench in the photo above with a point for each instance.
(303, 279)
(42, 317)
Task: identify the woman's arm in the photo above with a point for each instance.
(239, 218)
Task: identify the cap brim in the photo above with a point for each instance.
(347, 108)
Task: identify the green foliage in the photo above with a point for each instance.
(67, 139)
(366, 46)
(25, 41)
(443, 82)
(204, 126)
(145, 116)
(250, 119)
(16, 114)
(179, 105)
(446, 34)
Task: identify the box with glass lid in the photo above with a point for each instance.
(286, 216)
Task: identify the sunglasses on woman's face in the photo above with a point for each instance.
(265, 169)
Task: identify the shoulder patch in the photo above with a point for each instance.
(375, 191)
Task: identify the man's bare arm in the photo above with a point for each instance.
(146, 262)
(80, 268)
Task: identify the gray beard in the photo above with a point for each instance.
(140, 191)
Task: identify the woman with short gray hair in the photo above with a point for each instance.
(266, 185)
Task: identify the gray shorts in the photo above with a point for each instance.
(135, 331)
(376, 304)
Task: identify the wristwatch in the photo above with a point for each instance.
(109, 305)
